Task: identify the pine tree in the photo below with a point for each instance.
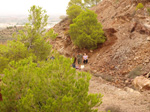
(51, 86)
(34, 35)
(85, 31)
(13, 51)
(73, 11)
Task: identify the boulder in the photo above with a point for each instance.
(140, 82)
(148, 38)
(91, 51)
(130, 90)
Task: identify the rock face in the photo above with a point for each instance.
(141, 82)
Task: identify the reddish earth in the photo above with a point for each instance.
(127, 45)
(126, 48)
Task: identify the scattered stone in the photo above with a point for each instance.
(59, 36)
(148, 38)
(74, 47)
(112, 67)
(147, 61)
(96, 75)
(91, 51)
(140, 82)
(127, 81)
(95, 71)
(130, 90)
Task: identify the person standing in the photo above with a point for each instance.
(79, 59)
(52, 57)
(74, 62)
(85, 58)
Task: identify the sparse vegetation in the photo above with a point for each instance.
(139, 6)
(10, 27)
(148, 10)
(117, 1)
(7, 34)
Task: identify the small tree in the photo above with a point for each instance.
(85, 31)
(30, 42)
(13, 51)
(73, 11)
(34, 36)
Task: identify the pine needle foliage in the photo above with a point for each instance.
(85, 31)
(51, 86)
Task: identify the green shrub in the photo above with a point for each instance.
(52, 34)
(13, 51)
(51, 86)
(85, 31)
(148, 10)
(139, 6)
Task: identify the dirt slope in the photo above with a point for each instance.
(6, 34)
(126, 48)
(128, 35)
(120, 100)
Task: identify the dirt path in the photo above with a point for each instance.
(127, 100)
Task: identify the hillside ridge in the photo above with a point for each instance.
(124, 49)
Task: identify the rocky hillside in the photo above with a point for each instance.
(6, 34)
(127, 45)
